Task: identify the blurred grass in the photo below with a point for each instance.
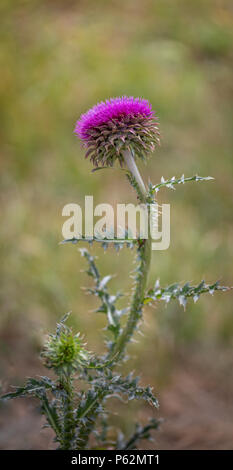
(59, 58)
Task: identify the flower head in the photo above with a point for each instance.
(65, 351)
(118, 124)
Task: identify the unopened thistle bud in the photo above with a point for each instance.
(116, 126)
(64, 351)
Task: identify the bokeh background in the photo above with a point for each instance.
(58, 58)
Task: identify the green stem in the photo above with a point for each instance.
(69, 423)
(131, 164)
(144, 256)
(135, 313)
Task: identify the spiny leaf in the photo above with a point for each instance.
(141, 432)
(104, 281)
(170, 183)
(182, 293)
(86, 403)
(51, 413)
(104, 241)
(37, 388)
(108, 301)
(108, 168)
(115, 385)
(32, 387)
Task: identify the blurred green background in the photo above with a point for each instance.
(59, 58)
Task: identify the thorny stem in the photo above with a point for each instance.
(130, 162)
(68, 424)
(135, 313)
(144, 256)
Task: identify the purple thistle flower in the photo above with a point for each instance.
(116, 125)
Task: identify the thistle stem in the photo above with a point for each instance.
(68, 424)
(136, 307)
(135, 313)
(142, 272)
(130, 162)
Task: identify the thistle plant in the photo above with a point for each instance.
(75, 402)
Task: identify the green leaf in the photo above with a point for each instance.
(32, 387)
(104, 281)
(141, 432)
(50, 411)
(104, 241)
(127, 386)
(170, 183)
(182, 293)
(108, 301)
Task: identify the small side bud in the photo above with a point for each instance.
(65, 351)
